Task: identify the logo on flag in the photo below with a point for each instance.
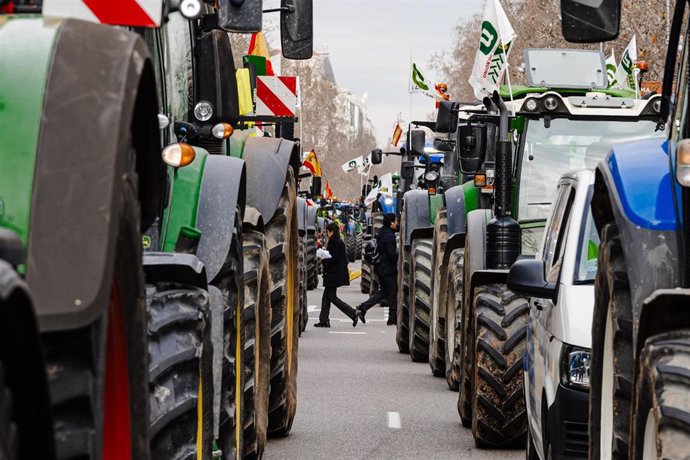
(311, 162)
(626, 72)
(491, 60)
(611, 70)
(419, 83)
(276, 96)
(397, 134)
(353, 164)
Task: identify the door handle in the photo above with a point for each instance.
(539, 305)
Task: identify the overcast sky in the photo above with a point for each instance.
(370, 42)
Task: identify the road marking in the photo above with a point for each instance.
(394, 422)
(343, 332)
(313, 308)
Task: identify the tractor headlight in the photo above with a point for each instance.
(203, 111)
(431, 176)
(575, 367)
(531, 105)
(683, 162)
(388, 201)
(550, 103)
(190, 9)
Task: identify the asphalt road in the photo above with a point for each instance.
(358, 398)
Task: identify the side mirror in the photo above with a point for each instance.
(417, 141)
(407, 170)
(376, 157)
(216, 98)
(526, 277)
(444, 145)
(244, 16)
(471, 145)
(447, 117)
(585, 21)
(297, 28)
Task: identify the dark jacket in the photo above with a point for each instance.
(387, 247)
(335, 273)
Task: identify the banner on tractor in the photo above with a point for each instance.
(134, 13)
(384, 186)
(276, 96)
(491, 60)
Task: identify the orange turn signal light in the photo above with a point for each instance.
(480, 180)
(222, 130)
(432, 191)
(178, 155)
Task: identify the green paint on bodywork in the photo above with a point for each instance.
(517, 124)
(521, 91)
(471, 196)
(185, 188)
(237, 140)
(27, 46)
(436, 202)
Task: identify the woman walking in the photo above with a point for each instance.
(335, 274)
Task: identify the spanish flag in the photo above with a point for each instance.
(312, 164)
(329, 192)
(259, 47)
(396, 135)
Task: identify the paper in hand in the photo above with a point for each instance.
(323, 254)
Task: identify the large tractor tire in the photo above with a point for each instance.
(439, 287)
(420, 299)
(499, 415)
(257, 307)
(312, 263)
(281, 237)
(351, 247)
(180, 363)
(238, 337)
(367, 275)
(303, 303)
(98, 374)
(9, 431)
(453, 324)
(359, 239)
(465, 323)
(402, 333)
(611, 378)
(661, 423)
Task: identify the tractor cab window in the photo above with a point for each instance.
(565, 146)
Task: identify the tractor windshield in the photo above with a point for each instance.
(564, 146)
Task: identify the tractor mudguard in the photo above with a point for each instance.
(634, 190)
(311, 218)
(174, 267)
(475, 242)
(222, 195)
(24, 366)
(455, 207)
(302, 215)
(83, 159)
(416, 203)
(267, 162)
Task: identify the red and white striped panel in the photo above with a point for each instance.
(135, 13)
(276, 96)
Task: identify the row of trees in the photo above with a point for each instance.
(537, 24)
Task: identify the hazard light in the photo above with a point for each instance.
(178, 155)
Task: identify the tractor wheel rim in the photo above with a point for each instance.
(651, 429)
(116, 416)
(607, 393)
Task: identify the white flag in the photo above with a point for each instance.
(611, 70)
(384, 187)
(494, 45)
(353, 164)
(626, 72)
(365, 167)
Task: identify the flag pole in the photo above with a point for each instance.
(507, 75)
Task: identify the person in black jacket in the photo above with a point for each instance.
(387, 271)
(335, 274)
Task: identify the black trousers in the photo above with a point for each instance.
(388, 289)
(330, 296)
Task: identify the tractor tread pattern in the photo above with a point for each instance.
(420, 300)
(439, 288)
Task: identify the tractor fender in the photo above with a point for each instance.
(455, 207)
(302, 215)
(267, 162)
(416, 214)
(222, 195)
(632, 189)
(24, 366)
(174, 267)
(82, 168)
(311, 218)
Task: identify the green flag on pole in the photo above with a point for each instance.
(419, 83)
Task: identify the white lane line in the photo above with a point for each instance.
(394, 422)
(313, 308)
(350, 333)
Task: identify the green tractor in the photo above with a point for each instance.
(566, 125)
